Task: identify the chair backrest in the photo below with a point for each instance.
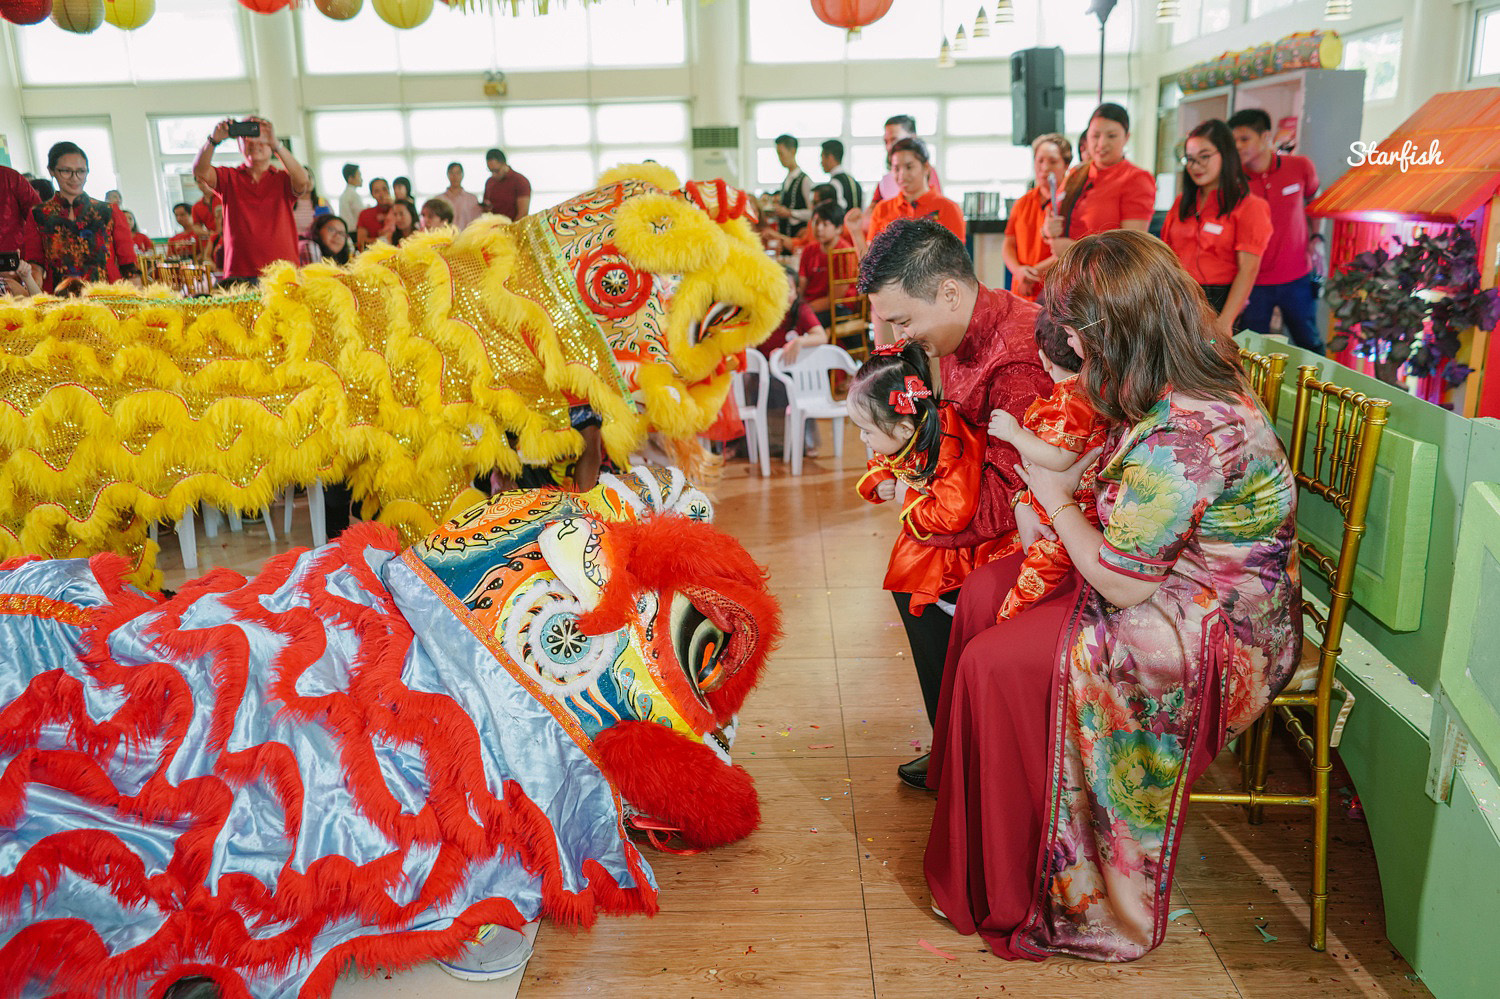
(1338, 466)
(848, 310)
(755, 364)
(1265, 372)
(808, 380)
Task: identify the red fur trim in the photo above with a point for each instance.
(681, 782)
(669, 552)
(208, 927)
(231, 985)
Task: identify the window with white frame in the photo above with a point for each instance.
(560, 148)
(184, 40)
(1377, 51)
(451, 40)
(1485, 60)
(969, 137)
(178, 141)
(92, 135)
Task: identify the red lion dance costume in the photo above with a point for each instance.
(363, 754)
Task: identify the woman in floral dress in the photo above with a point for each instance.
(1068, 737)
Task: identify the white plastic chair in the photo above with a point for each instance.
(809, 396)
(314, 508)
(753, 415)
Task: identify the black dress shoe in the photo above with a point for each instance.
(914, 774)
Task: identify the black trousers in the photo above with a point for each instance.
(927, 634)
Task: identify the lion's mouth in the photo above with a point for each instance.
(720, 317)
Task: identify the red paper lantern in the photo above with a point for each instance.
(25, 11)
(851, 14)
(265, 6)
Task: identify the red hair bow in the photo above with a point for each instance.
(905, 401)
(891, 349)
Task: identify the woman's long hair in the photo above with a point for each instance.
(1144, 324)
(1233, 185)
(319, 224)
(884, 374)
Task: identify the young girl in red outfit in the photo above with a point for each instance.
(924, 445)
(1053, 433)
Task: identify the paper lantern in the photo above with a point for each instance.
(403, 13)
(265, 6)
(339, 10)
(127, 15)
(850, 14)
(25, 11)
(78, 16)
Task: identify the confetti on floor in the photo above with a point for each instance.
(940, 953)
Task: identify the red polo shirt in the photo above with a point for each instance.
(929, 206)
(17, 197)
(995, 367)
(258, 226)
(1208, 243)
(502, 193)
(1288, 185)
(1112, 195)
(814, 267)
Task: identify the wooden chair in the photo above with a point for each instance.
(1339, 468)
(848, 310)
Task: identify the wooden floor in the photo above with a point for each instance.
(827, 899)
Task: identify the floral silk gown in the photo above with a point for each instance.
(1197, 495)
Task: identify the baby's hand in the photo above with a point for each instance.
(886, 490)
(1003, 425)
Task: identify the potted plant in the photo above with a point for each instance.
(1408, 308)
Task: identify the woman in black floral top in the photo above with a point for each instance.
(70, 234)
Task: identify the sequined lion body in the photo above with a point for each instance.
(403, 374)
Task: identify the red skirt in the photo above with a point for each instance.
(990, 756)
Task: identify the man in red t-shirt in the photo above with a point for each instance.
(920, 280)
(371, 222)
(507, 192)
(17, 198)
(1287, 183)
(258, 225)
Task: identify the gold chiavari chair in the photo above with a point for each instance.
(848, 310)
(1337, 466)
(1265, 372)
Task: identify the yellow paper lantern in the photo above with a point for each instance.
(403, 13)
(127, 15)
(78, 16)
(339, 10)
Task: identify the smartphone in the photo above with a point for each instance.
(244, 129)
(9, 262)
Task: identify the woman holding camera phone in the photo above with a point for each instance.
(258, 224)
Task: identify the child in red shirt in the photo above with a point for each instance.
(812, 270)
(926, 446)
(1054, 433)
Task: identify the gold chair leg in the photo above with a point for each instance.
(1322, 772)
(1261, 763)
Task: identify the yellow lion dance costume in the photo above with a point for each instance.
(403, 374)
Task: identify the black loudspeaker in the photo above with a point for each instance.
(1036, 93)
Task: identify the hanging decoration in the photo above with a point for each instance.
(25, 11)
(403, 13)
(850, 14)
(1338, 10)
(960, 39)
(1303, 50)
(1168, 11)
(1004, 12)
(78, 16)
(127, 15)
(339, 10)
(945, 56)
(266, 6)
(981, 24)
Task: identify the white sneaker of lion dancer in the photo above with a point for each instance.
(494, 952)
